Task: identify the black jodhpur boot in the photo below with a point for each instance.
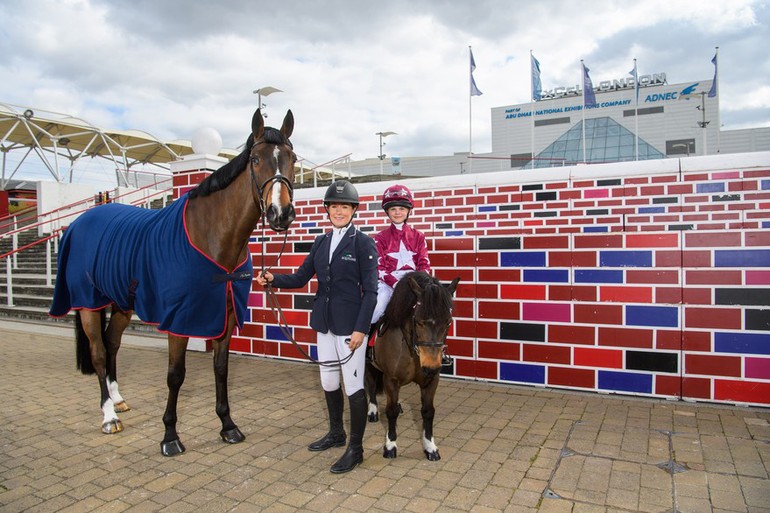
(336, 435)
(354, 454)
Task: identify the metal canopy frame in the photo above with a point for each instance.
(55, 137)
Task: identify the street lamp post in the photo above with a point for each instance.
(264, 91)
(381, 156)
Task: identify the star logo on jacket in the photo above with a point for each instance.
(404, 257)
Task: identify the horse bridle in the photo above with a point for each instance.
(415, 345)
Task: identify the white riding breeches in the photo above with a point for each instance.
(384, 293)
(333, 347)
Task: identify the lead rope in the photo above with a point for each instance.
(272, 299)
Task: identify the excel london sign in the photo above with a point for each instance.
(619, 84)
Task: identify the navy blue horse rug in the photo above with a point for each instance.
(143, 260)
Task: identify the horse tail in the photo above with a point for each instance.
(83, 344)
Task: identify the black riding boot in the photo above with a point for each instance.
(336, 435)
(354, 454)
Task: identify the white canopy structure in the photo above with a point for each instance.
(58, 138)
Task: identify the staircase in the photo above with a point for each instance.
(31, 296)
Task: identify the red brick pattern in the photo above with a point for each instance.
(655, 285)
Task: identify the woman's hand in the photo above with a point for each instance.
(265, 278)
(356, 340)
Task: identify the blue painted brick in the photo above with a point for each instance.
(308, 224)
(455, 233)
(598, 276)
(765, 185)
(546, 276)
(663, 316)
(488, 208)
(596, 229)
(522, 259)
(651, 210)
(710, 187)
(742, 258)
(275, 333)
(625, 382)
(742, 343)
(522, 372)
(625, 258)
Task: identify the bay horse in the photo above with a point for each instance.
(408, 350)
(185, 267)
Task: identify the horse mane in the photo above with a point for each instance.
(436, 300)
(224, 176)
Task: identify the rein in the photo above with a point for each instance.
(259, 203)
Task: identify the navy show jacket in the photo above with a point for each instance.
(347, 286)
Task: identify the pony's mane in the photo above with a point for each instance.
(436, 300)
(224, 176)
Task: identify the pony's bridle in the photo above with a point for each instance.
(414, 344)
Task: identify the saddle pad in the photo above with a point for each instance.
(143, 260)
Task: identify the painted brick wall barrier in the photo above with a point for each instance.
(643, 278)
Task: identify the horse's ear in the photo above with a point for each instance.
(452, 287)
(257, 125)
(288, 124)
(415, 286)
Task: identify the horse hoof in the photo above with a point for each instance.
(112, 426)
(232, 436)
(389, 453)
(432, 456)
(122, 407)
(374, 417)
(172, 448)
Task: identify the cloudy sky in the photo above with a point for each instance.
(351, 68)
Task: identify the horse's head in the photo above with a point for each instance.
(271, 164)
(431, 321)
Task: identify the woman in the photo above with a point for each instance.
(344, 262)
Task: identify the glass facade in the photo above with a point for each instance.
(606, 141)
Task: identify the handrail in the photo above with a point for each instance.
(11, 255)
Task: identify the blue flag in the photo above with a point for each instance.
(589, 97)
(537, 86)
(474, 90)
(713, 91)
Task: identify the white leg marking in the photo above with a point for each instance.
(108, 410)
(112, 386)
(428, 445)
(372, 409)
(388, 444)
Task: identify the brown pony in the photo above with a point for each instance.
(218, 218)
(408, 350)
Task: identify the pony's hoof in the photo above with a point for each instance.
(232, 436)
(432, 456)
(374, 417)
(389, 453)
(112, 426)
(122, 407)
(172, 448)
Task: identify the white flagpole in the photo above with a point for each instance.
(583, 110)
(716, 77)
(636, 111)
(532, 107)
(470, 109)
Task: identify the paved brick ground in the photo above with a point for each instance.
(503, 448)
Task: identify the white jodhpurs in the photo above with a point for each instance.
(333, 347)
